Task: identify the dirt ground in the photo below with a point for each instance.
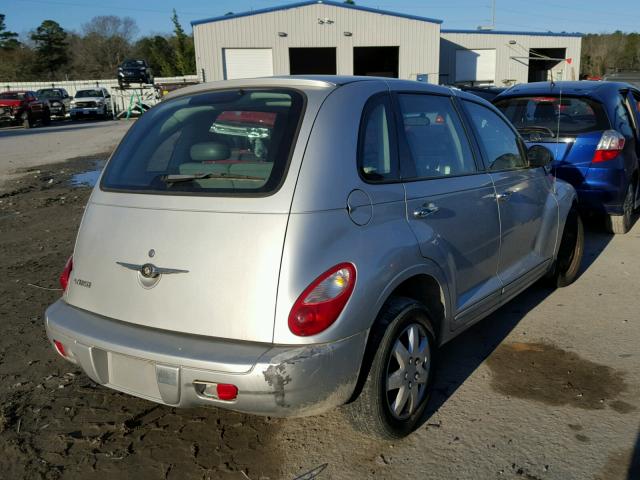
(546, 388)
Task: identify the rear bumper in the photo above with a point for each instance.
(162, 366)
(602, 191)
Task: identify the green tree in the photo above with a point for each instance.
(52, 48)
(8, 40)
(159, 53)
(183, 46)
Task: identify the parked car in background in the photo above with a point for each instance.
(593, 128)
(95, 102)
(23, 107)
(488, 92)
(630, 77)
(376, 220)
(59, 100)
(134, 71)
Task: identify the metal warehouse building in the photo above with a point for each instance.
(328, 37)
(320, 37)
(485, 57)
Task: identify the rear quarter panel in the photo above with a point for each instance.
(321, 234)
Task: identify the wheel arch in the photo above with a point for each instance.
(424, 285)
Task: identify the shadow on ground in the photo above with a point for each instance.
(462, 356)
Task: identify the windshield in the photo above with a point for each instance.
(133, 63)
(49, 93)
(88, 93)
(233, 141)
(541, 115)
(12, 95)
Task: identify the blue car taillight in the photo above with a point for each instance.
(609, 147)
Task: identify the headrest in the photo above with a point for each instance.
(209, 151)
(417, 121)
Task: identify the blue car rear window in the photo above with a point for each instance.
(548, 114)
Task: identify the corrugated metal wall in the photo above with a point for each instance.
(419, 41)
(508, 68)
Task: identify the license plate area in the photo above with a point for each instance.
(133, 375)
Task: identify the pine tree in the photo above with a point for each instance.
(8, 40)
(51, 47)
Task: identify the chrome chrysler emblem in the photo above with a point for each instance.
(149, 270)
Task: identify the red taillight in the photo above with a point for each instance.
(66, 274)
(60, 348)
(322, 302)
(609, 147)
(226, 391)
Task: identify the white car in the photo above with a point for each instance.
(95, 102)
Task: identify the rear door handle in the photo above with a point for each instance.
(504, 196)
(425, 210)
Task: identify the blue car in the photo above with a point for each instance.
(593, 130)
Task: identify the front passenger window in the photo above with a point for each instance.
(435, 136)
(498, 141)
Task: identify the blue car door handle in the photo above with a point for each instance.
(425, 210)
(504, 196)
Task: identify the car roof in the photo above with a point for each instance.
(305, 81)
(576, 88)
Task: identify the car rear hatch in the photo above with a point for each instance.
(186, 230)
(571, 127)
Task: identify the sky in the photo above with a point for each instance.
(153, 16)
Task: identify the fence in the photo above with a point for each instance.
(72, 86)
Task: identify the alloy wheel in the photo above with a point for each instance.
(408, 371)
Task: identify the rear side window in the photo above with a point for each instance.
(225, 142)
(541, 115)
(498, 141)
(622, 121)
(436, 138)
(377, 148)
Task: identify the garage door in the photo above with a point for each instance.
(247, 63)
(476, 66)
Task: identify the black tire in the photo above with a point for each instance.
(372, 412)
(46, 119)
(567, 265)
(620, 224)
(26, 121)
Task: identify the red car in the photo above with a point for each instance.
(23, 107)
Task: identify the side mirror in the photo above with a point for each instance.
(539, 156)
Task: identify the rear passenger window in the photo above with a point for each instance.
(622, 121)
(498, 141)
(436, 138)
(377, 158)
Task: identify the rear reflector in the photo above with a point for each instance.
(60, 348)
(609, 147)
(226, 391)
(218, 391)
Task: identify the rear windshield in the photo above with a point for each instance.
(49, 93)
(541, 115)
(232, 141)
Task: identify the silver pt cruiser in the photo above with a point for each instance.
(283, 246)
